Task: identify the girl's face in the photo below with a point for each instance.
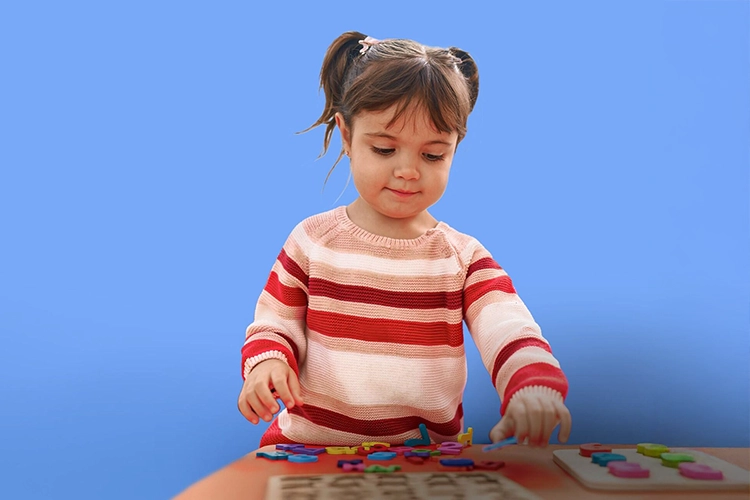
(400, 171)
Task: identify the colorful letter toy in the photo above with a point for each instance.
(289, 447)
(628, 470)
(341, 463)
(415, 459)
(415, 453)
(500, 444)
(422, 441)
(450, 448)
(604, 458)
(273, 455)
(302, 459)
(382, 455)
(465, 439)
(400, 450)
(675, 459)
(653, 450)
(353, 467)
(341, 450)
(380, 468)
(586, 450)
(457, 462)
(700, 471)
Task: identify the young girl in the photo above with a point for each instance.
(359, 328)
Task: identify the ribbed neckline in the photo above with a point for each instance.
(343, 218)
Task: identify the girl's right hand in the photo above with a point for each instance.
(268, 380)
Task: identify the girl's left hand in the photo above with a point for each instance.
(533, 414)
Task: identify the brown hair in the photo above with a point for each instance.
(445, 82)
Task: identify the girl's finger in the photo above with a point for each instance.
(295, 388)
(521, 421)
(550, 420)
(282, 389)
(244, 406)
(261, 400)
(535, 421)
(565, 422)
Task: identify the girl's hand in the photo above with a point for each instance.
(268, 380)
(533, 415)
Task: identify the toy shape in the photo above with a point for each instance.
(457, 462)
(500, 444)
(466, 438)
(341, 450)
(415, 460)
(640, 447)
(380, 468)
(289, 447)
(302, 459)
(355, 461)
(382, 455)
(400, 450)
(586, 450)
(627, 469)
(273, 455)
(654, 450)
(700, 471)
(414, 453)
(421, 441)
(604, 458)
(376, 443)
(353, 467)
(450, 448)
(675, 459)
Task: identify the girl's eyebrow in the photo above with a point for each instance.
(388, 136)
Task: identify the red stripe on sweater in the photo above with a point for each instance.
(368, 295)
(510, 349)
(385, 330)
(288, 295)
(256, 347)
(477, 290)
(483, 263)
(292, 267)
(375, 428)
(536, 374)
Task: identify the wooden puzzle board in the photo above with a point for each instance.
(665, 478)
(397, 485)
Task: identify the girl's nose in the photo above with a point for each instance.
(407, 169)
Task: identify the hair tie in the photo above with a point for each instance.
(367, 43)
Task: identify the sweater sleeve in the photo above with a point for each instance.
(510, 342)
(278, 329)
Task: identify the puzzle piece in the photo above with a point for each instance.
(700, 471)
(604, 458)
(675, 459)
(380, 468)
(627, 469)
(382, 455)
(500, 444)
(586, 450)
(465, 439)
(422, 441)
(653, 450)
(273, 455)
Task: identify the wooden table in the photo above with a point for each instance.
(532, 468)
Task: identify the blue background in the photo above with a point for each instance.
(151, 173)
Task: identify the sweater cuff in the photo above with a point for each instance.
(536, 390)
(250, 363)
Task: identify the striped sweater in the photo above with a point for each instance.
(373, 328)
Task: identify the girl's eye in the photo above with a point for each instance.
(381, 151)
(389, 151)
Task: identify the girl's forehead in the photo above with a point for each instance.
(415, 120)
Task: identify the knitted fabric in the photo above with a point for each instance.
(373, 328)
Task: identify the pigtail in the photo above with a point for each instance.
(339, 57)
(469, 69)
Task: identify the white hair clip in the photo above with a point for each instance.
(367, 43)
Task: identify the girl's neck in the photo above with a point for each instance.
(374, 222)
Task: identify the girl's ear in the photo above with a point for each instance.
(346, 139)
